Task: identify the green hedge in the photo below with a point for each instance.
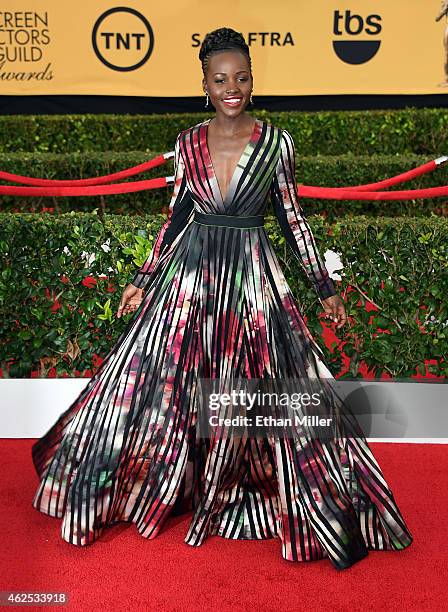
(317, 170)
(420, 131)
(398, 264)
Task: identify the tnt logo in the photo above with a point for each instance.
(122, 39)
(356, 51)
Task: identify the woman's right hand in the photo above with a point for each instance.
(130, 300)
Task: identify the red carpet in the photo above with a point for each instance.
(123, 571)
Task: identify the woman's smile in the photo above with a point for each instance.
(233, 101)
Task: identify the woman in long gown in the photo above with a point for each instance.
(212, 303)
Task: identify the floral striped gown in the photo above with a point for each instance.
(216, 304)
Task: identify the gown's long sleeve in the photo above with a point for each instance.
(293, 221)
(180, 214)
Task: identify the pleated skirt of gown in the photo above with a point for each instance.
(129, 448)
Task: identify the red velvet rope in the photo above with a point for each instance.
(371, 191)
(98, 180)
(395, 180)
(338, 193)
(154, 183)
(95, 186)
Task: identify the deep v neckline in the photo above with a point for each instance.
(210, 161)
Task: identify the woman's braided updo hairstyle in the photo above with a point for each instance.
(223, 39)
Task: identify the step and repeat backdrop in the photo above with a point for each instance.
(49, 47)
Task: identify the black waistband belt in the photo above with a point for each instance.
(228, 220)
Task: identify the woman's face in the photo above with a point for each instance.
(228, 81)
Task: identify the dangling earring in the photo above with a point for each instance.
(251, 101)
(206, 99)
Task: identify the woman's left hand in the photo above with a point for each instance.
(335, 310)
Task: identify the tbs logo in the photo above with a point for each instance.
(356, 51)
